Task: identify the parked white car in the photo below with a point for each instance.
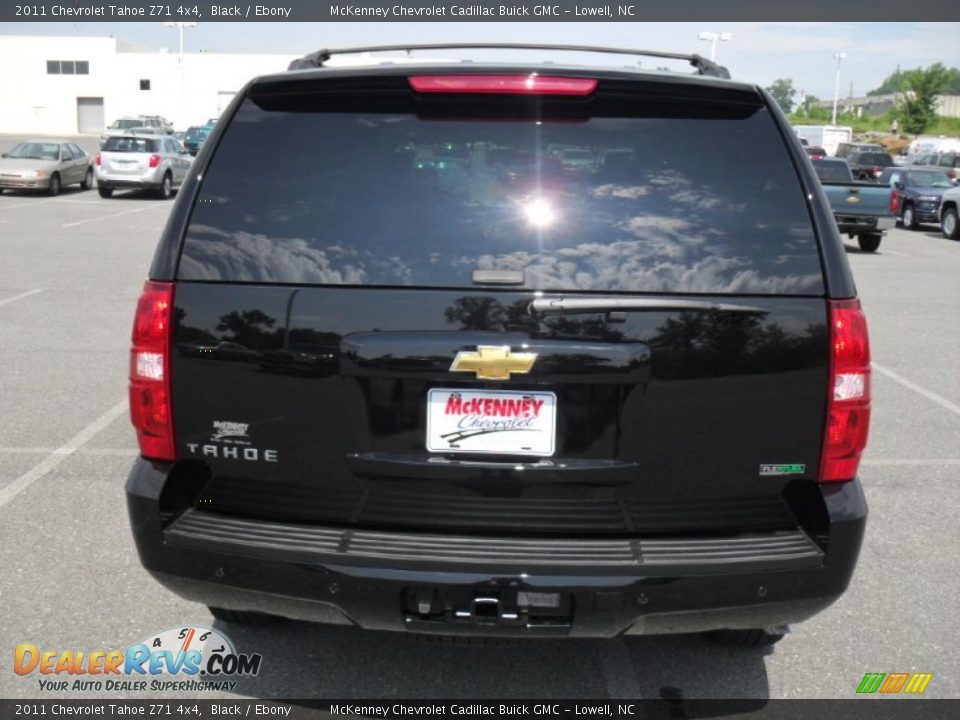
(123, 125)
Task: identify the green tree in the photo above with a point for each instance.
(783, 92)
(897, 82)
(893, 83)
(916, 114)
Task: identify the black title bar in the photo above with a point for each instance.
(477, 10)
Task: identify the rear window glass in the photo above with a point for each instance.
(874, 159)
(130, 145)
(198, 133)
(616, 204)
(832, 171)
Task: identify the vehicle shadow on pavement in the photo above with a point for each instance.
(854, 250)
(42, 194)
(137, 194)
(304, 660)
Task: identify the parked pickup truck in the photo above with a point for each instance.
(868, 165)
(861, 209)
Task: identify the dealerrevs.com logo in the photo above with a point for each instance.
(187, 659)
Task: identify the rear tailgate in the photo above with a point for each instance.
(127, 155)
(377, 319)
(862, 199)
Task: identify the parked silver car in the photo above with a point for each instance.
(153, 162)
(45, 165)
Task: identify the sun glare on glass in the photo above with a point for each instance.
(539, 212)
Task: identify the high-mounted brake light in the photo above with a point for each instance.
(531, 84)
(154, 160)
(848, 402)
(150, 410)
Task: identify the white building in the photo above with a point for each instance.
(77, 85)
(946, 105)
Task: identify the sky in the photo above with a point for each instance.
(758, 52)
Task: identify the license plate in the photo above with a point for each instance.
(496, 422)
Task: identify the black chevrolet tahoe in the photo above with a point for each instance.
(502, 350)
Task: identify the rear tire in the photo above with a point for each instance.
(244, 617)
(105, 192)
(165, 191)
(745, 638)
(54, 188)
(950, 225)
(909, 218)
(87, 180)
(869, 242)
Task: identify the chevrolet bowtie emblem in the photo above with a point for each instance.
(493, 362)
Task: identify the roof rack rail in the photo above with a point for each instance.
(702, 64)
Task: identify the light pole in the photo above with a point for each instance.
(180, 27)
(836, 87)
(713, 38)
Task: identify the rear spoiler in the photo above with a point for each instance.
(702, 65)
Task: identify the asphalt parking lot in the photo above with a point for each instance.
(71, 268)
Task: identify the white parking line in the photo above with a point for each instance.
(54, 459)
(58, 199)
(95, 452)
(35, 202)
(21, 296)
(113, 215)
(894, 252)
(928, 394)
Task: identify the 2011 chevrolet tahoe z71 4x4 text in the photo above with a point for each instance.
(521, 350)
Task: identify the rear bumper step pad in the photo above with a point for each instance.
(213, 532)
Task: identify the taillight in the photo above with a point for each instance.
(97, 160)
(532, 84)
(876, 172)
(154, 160)
(894, 202)
(150, 410)
(848, 401)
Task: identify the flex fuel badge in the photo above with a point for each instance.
(785, 469)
